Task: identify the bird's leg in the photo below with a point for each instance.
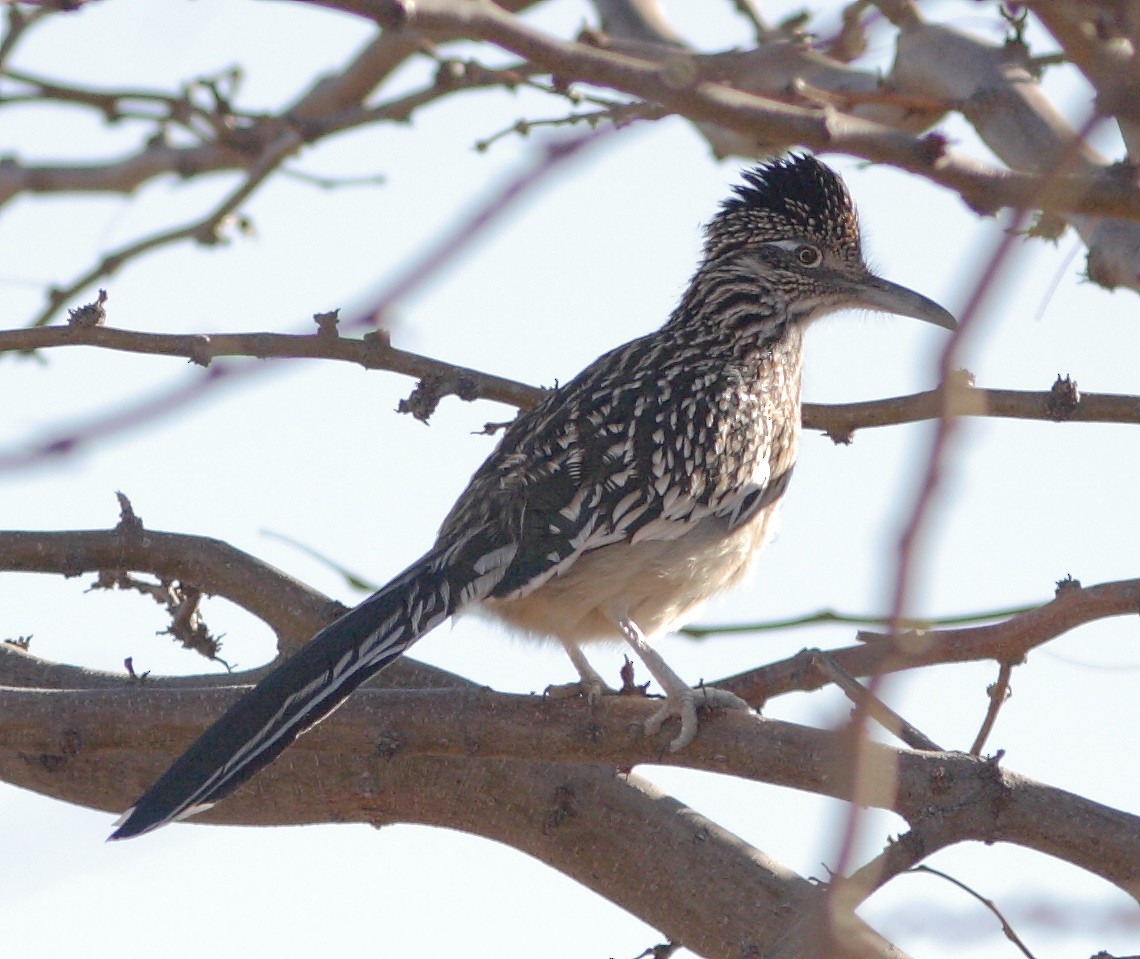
(590, 684)
(681, 700)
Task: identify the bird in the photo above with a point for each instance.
(620, 503)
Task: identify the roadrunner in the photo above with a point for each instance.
(616, 506)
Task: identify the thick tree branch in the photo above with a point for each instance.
(380, 729)
(52, 748)
(554, 812)
(1089, 33)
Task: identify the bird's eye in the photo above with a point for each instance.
(808, 255)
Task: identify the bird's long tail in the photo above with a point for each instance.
(306, 688)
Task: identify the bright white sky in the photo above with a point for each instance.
(314, 451)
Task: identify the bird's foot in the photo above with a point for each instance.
(593, 689)
(590, 683)
(683, 703)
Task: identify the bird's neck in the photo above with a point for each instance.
(732, 314)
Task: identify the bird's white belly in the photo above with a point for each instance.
(658, 583)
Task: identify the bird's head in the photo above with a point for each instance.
(791, 225)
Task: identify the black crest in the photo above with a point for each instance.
(788, 197)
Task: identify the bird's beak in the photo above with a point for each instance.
(874, 293)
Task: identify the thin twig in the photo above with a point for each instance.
(1006, 928)
(112, 103)
(1007, 641)
(750, 11)
(206, 230)
(903, 853)
(998, 693)
(414, 275)
(619, 115)
(19, 21)
(886, 717)
(919, 516)
(825, 617)
(219, 148)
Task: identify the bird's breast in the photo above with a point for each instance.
(660, 583)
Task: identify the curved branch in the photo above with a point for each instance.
(555, 813)
(1006, 642)
(938, 69)
(295, 612)
(335, 771)
(57, 742)
(561, 815)
(291, 609)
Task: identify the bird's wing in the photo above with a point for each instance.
(617, 454)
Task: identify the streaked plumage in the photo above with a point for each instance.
(619, 504)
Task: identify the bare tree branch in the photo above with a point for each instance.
(373, 352)
(295, 612)
(140, 729)
(680, 89)
(1008, 641)
(439, 379)
(1088, 33)
(937, 70)
(551, 777)
(207, 231)
(19, 22)
(325, 110)
(573, 806)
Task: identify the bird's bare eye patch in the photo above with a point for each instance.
(808, 255)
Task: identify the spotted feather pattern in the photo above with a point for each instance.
(693, 426)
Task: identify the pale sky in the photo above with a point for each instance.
(315, 452)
